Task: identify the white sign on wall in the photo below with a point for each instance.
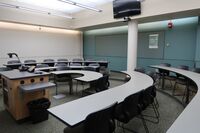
(153, 41)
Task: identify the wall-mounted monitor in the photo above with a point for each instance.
(126, 8)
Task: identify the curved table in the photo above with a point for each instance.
(87, 76)
(74, 112)
(189, 119)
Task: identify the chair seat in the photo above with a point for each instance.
(170, 78)
(181, 81)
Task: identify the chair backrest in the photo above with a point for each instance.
(100, 121)
(62, 68)
(196, 70)
(61, 65)
(42, 65)
(5, 69)
(89, 68)
(75, 64)
(148, 96)
(94, 64)
(62, 60)
(131, 105)
(164, 72)
(102, 83)
(153, 75)
(77, 59)
(140, 69)
(30, 61)
(165, 64)
(13, 62)
(48, 60)
(129, 108)
(183, 67)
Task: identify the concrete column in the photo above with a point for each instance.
(132, 45)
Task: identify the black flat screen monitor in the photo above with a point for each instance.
(126, 8)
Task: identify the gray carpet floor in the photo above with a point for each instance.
(169, 110)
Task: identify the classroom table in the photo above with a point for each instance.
(188, 121)
(74, 112)
(87, 76)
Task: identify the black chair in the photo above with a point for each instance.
(49, 62)
(89, 68)
(98, 122)
(61, 61)
(103, 70)
(180, 79)
(95, 65)
(155, 78)
(75, 64)
(147, 101)
(61, 78)
(165, 75)
(61, 65)
(43, 66)
(30, 62)
(140, 69)
(13, 62)
(129, 109)
(77, 60)
(196, 70)
(88, 61)
(97, 86)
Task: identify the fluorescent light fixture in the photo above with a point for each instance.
(34, 10)
(36, 28)
(80, 5)
(88, 7)
(7, 5)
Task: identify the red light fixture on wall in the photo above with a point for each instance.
(170, 24)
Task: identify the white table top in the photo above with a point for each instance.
(88, 76)
(76, 111)
(189, 119)
(16, 74)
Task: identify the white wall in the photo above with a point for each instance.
(39, 45)
(21, 16)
